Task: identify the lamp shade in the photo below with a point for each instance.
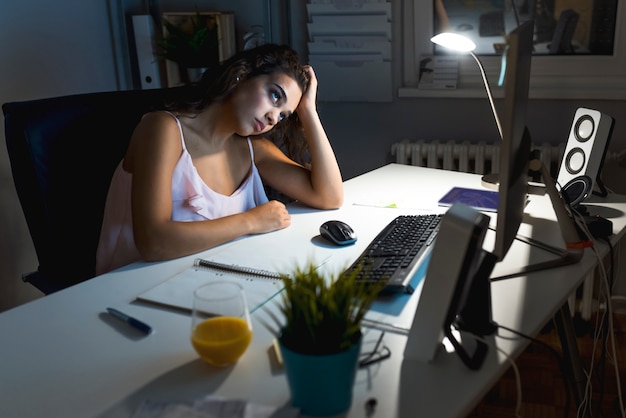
(454, 41)
(461, 43)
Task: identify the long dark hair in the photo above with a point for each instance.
(218, 83)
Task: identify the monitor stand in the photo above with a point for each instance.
(574, 247)
(492, 181)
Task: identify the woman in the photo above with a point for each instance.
(191, 177)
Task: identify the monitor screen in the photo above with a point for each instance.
(516, 144)
(456, 294)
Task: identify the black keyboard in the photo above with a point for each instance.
(397, 252)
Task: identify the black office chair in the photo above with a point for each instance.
(63, 152)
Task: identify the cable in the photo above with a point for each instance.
(605, 330)
(518, 380)
(514, 6)
(606, 324)
(380, 352)
(608, 330)
(611, 335)
(559, 360)
(586, 401)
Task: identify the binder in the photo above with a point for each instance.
(147, 61)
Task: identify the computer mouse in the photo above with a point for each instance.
(338, 232)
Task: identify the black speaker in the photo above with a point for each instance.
(579, 173)
(576, 190)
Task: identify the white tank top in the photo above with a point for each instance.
(192, 200)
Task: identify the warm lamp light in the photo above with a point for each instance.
(461, 43)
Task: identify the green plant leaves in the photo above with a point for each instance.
(191, 47)
(323, 314)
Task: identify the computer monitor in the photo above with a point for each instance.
(456, 294)
(470, 305)
(515, 158)
(516, 143)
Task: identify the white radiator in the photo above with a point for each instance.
(480, 158)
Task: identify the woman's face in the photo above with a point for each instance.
(262, 102)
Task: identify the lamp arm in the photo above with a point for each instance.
(488, 88)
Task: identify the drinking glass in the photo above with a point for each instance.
(220, 323)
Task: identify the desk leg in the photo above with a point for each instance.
(565, 328)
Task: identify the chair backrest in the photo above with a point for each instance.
(63, 152)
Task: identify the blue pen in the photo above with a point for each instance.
(133, 322)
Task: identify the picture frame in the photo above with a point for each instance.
(195, 37)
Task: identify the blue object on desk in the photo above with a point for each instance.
(395, 312)
(321, 385)
(133, 322)
(479, 199)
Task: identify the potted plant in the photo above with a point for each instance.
(190, 41)
(320, 337)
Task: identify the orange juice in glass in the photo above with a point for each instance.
(221, 329)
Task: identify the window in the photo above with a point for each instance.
(566, 74)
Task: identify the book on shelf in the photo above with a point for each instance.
(259, 285)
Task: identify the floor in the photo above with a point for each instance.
(543, 390)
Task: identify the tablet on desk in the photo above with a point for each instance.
(479, 199)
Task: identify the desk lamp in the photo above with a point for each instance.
(461, 43)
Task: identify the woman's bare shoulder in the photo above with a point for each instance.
(156, 129)
(155, 124)
(158, 117)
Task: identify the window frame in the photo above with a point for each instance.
(553, 77)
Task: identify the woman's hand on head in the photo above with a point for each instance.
(309, 97)
(269, 217)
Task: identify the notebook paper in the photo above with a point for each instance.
(177, 292)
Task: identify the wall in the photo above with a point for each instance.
(49, 48)
(361, 126)
(42, 57)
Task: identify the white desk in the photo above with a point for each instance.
(62, 356)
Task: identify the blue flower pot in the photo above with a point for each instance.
(321, 385)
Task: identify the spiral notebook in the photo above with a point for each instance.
(177, 292)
